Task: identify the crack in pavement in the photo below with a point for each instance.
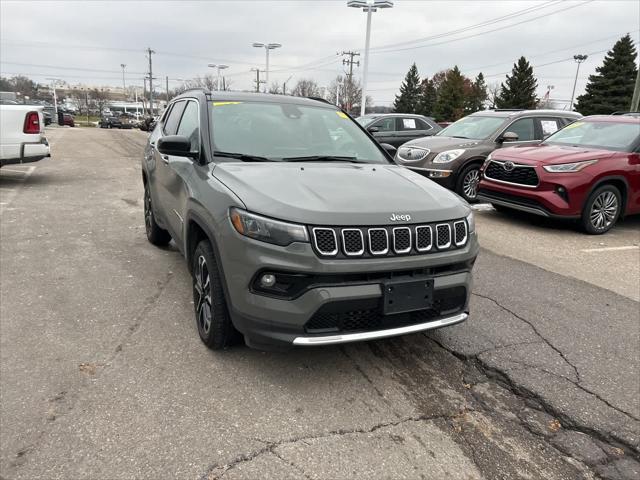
(216, 471)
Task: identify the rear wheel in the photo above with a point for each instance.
(468, 180)
(156, 235)
(212, 317)
(602, 209)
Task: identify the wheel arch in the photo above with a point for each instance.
(617, 181)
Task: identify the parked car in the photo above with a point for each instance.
(66, 119)
(453, 156)
(148, 123)
(589, 170)
(398, 128)
(296, 237)
(115, 121)
(22, 138)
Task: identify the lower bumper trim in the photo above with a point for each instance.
(390, 332)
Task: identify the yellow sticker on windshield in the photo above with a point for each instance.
(573, 125)
(342, 115)
(219, 104)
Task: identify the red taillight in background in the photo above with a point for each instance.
(32, 123)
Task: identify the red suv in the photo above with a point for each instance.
(589, 170)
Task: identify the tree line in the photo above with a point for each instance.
(450, 95)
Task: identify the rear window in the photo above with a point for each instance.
(605, 135)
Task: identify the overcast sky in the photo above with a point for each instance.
(87, 41)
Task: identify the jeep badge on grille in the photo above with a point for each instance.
(400, 218)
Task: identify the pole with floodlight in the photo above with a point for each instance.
(218, 66)
(267, 47)
(368, 6)
(579, 59)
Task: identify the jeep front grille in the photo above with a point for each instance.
(369, 242)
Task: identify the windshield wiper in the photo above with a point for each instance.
(321, 158)
(245, 157)
(458, 136)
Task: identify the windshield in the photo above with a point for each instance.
(283, 131)
(364, 121)
(606, 135)
(476, 128)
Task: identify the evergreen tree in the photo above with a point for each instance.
(477, 96)
(407, 101)
(519, 89)
(451, 97)
(427, 98)
(611, 88)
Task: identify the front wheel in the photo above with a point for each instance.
(602, 209)
(467, 185)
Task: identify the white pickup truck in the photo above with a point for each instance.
(22, 137)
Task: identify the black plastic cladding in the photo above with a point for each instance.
(422, 238)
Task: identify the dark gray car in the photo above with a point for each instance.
(453, 156)
(398, 128)
(297, 226)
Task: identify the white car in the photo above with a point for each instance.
(22, 137)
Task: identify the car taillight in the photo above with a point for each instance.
(32, 123)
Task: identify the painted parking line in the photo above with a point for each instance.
(610, 249)
(9, 193)
(482, 207)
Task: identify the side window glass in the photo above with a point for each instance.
(171, 124)
(386, 125)
(190, 125)
(524, 128)
(409, 124)
(422, 125)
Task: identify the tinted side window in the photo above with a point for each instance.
(524, 128)
(422, 125)
(385, 125)
(171, 123)
(190, 125)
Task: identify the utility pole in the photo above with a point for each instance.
(124, 87)
(144, 94)
(284, 85)
(257, 80)
(636, 95)
(579, 59)
(149, 53)
(351, 63)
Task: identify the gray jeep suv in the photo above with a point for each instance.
(297, 226)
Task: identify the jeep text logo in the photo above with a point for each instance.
(400, 218)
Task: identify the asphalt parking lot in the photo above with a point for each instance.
(102, 373)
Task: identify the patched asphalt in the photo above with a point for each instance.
(102, 374)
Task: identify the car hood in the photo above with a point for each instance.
(437, 143)
(549, 154)
(339, 194)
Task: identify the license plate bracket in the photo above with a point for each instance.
(406, 295)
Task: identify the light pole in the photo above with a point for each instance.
(54, 81)
(368, 6)
(219, 67)
(267, 47)
(579, 59)
(124, 87)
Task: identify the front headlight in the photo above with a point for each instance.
(471, 222)
(568, 167)
(448, 156)
(267, 229)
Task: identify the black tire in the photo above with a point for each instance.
(156, 235)
(210, 307)
(601, 210)
(469, 191)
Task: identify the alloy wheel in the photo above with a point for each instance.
(202, 291)
(148, 213)
(470, 184)
(604, 210)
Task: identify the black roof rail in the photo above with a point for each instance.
(199, 89)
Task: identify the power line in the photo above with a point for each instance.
(58, 67)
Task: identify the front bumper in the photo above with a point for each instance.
(441, 176)
(267, 320)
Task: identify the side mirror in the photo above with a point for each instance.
(509, 137)
(373, 129)
(390, 149)
(176, 145)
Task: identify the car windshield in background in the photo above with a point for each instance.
(286, 131)
(606, 135)
(475, 127)
(364, 121)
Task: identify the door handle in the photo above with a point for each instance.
(165, 159)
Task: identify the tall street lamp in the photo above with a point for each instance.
(267, 47)
(579, 59)
(219, 67)
(124, 87)
(368, 6)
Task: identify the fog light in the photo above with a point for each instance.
(439, 173)
(268, 280)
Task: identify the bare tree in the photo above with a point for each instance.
(275, 88)
(306, 88)
(493, 91)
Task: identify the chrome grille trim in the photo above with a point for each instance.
(405, 250)
(466, 233)
(423, 227)
(315, 241)
(386, 236)
(344, 242)
(515, 165)
(447, 245)
(420, 154)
